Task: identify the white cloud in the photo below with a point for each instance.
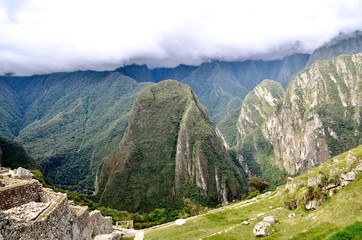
(41, 36)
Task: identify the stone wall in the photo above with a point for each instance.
(59, 221)
(56, 219)
(24, 192)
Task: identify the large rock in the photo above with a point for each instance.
(21, 173)
(270, 219)
(311, 205)
(358, 168)
(262, 229)
(350, 176)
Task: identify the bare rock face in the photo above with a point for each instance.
(302, 132)
(262, 229)
(301, 122)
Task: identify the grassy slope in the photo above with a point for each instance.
(337, 212)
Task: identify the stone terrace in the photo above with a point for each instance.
(29, 211)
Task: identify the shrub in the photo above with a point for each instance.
(258, 184)
(253, 194)
(291, 203)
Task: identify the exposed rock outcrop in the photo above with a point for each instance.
(320, 111)
(319, 115)
(262, 229)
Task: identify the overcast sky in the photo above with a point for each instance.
(41, 36)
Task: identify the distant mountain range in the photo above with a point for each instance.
(77, 124)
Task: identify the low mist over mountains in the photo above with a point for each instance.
(152, 142)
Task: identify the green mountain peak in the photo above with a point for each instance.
(170, 151)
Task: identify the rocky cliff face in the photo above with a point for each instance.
(259, 105)
(170, 151)
(253, 148)
(318, 117)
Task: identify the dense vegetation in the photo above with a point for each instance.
(13, 155)
(71, 121)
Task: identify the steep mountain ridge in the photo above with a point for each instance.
(259, 105)
(254, 150)
(320, 115)
(317, 117)
(170, 150)
(221, 86)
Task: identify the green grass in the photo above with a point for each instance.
(351, 232)
(332, 218)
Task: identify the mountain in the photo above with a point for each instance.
(169, 151)
(177, 73)
(318, 116)
(221, 86)
(254, 149)
(221, 83)
(13, 155)
(217, 87)
(141, 73)
(342, 44)
(70, 121)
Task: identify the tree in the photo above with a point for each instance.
(258, 184)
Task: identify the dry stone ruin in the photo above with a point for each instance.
(29, 211)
